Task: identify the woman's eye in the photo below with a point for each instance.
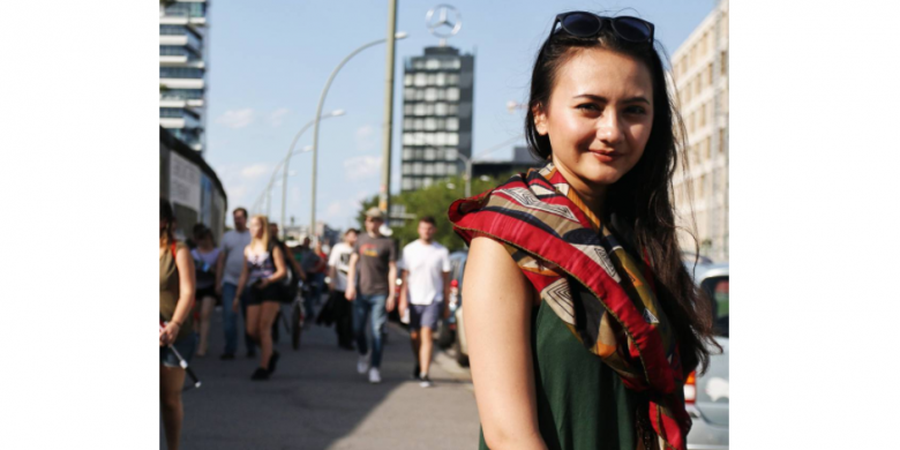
(588, 107)
(640, 110)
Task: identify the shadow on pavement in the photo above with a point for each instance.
(315, 399)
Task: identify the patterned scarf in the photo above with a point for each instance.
(583, 273)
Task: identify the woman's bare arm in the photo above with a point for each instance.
(497, 314)
(186, 285)
(280, 268)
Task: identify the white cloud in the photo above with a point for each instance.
(276, 118)
(366, 138)
(334, 210)
(360, 167)
(237, 118)
(254, 171)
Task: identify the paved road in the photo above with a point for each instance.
(316, 400)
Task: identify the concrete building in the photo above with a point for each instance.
(437, 116)
(521, 162)
(191, 185)
(183, 45)
(700, 74)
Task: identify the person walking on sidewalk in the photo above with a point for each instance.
(264, 270)
(176, 298)
(373, 261)
(228, 270)
(425, 271)
(338, 265)
(205, 256)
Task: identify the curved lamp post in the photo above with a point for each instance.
(287, 158)
(312, 220)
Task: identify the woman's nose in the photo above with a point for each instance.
(609, 128)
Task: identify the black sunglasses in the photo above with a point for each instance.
(587, 25)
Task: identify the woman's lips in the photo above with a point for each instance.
(606, 156)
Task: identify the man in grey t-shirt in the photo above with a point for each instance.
(373, 261)
(228, 271)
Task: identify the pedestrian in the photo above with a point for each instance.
(581, 319)
(228, 270)
(374, 261)
(295, 274)
(205, 257)
(338, 264)
(311, 263)
(176, 298)
(262, 276)
(425, 270)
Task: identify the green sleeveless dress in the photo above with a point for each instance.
(581, 402)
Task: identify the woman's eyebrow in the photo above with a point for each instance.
(599, 98)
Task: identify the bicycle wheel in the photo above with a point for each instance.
(296, 330)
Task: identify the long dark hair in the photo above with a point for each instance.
(166, 214)
(640, 200)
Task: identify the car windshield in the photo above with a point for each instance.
(717, 289)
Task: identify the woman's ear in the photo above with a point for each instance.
(540, 119)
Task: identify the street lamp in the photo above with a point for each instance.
(315, 152)
(287, 158)
(257, 206)
(468, 161)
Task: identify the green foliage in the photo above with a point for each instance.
(432, 201)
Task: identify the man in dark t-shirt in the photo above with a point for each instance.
(373, 264)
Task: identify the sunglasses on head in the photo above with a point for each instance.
(587, 25)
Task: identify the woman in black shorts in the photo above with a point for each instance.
(205, 256)
(264, 270)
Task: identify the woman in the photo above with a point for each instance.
(263, 271)
(176, 298)
(582, 320)
(205, 256)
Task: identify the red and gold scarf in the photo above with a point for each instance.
(609, 305)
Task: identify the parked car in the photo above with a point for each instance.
(457, 268)
(706, 395)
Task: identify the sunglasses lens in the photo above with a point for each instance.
(581, 24)
(631, 29)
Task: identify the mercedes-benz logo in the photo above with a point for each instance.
(440, 23)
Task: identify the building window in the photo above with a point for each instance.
(407, 184)
(703, 115)
(408, 109)
(452, 138)
(452, 110)
(450, 64)
(180, 72)
(709, 74)
(181, 94)
(408, 139)
(407, 154)
(429, 154)
(431, 79)
(723, 62)
(440, 169)
(452, 124)
(440, 138)
(450, 154)
(708, 147)
(407, 168)
(418, 168)
(408, 79)
(420, 79)
(420, 109)
(408, 124)
(430, 124)
(697, 85)
(451, 168)
(440, 79)
(427, 182)
(409, 94)
(432, 64)
(430, 94)
(420, 124)
(419, 138)
(453, 94)
(452, 79)
(429, 109)
(721, 140)
(440, 109)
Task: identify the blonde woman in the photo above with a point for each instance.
(263, 272)
(176, 298)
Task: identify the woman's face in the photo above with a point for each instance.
(598, 117)
(256, 229)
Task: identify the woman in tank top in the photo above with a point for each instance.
(581, 319)
(205, 257)
(263, 273)
(176, 298)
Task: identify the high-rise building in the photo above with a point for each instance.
(700, 74)
(437, 116)
(182, 69)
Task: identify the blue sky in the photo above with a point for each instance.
(269, 59)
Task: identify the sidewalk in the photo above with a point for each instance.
(316, 400)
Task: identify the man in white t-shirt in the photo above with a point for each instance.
(338, 266)
(425, 266)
